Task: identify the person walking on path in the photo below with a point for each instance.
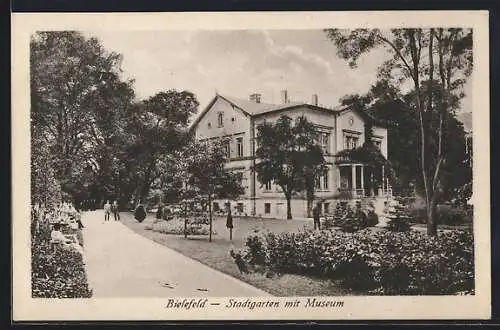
(107, 211)
(114, 209)
(316, 217)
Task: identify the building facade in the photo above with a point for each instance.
(237, 120)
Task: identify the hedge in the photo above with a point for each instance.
(59, 273)
(446, 215)
(382, 262)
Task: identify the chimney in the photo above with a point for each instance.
(314, 99)
(284, 96)
(255, 97)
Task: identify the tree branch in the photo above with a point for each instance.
(398, 52)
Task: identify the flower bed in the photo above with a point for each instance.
(176, 227)
(380, 262)
(59, 273)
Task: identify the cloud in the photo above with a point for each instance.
(239, 63)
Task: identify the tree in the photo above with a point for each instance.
(415, 55)
(209, 176)
(159, 125)
(45, 187)
(387, 103)
(289, 156)
(77, 100)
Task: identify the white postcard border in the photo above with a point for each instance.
(26, 308)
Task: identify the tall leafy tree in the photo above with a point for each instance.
(418, 55)
(159, 125)
(289, 156)
(207, 173)
(76, 97)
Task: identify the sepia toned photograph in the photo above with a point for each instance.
(251, 170)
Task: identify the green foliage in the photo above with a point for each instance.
(289, 156)
(445, 214)
(208, 174)
(45, 187)
(349, 220)
(159, 127)
(140, 213)
(78, 103)
(59, 274)
(378, 262)
(437, 89)
(400, 219)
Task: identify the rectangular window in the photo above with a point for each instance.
(220, 119)
(325, 181)
(354, 142)
(325, 142)
(239, 145)
(268, 186)
(239, 207)
(318, 183)
(227, 150)
(267, 208)
(350, 142)
(326, 208)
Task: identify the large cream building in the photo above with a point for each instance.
(238, 119)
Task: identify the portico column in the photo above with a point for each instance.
(338, 178)
(383, 179)
(353, 178)
(362, 180)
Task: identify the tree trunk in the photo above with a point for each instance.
(309, 207)
(288, 207)
(431, 219)
(185, 220)
(210, 217)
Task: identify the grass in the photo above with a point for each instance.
(215, 254)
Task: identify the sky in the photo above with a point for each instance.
(239, 63)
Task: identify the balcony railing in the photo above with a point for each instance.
(349, 193)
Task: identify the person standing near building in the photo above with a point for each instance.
(107, 211)
(114, 209)
(316, 212)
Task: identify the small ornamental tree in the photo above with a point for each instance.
(208, 175)
(289, 156)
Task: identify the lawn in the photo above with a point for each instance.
(215, 254)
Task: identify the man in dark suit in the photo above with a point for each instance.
(316, 213)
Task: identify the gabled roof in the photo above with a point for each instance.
(253, 109)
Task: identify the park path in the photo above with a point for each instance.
(121, 263)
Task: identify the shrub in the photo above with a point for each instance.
(398, 225)
(384, 262)
(349, 220)
(446, 215)
(399, 219)
(140, 213)
(257, 248)
(371, 218)
(60, 273)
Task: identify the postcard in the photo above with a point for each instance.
(251, 166)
